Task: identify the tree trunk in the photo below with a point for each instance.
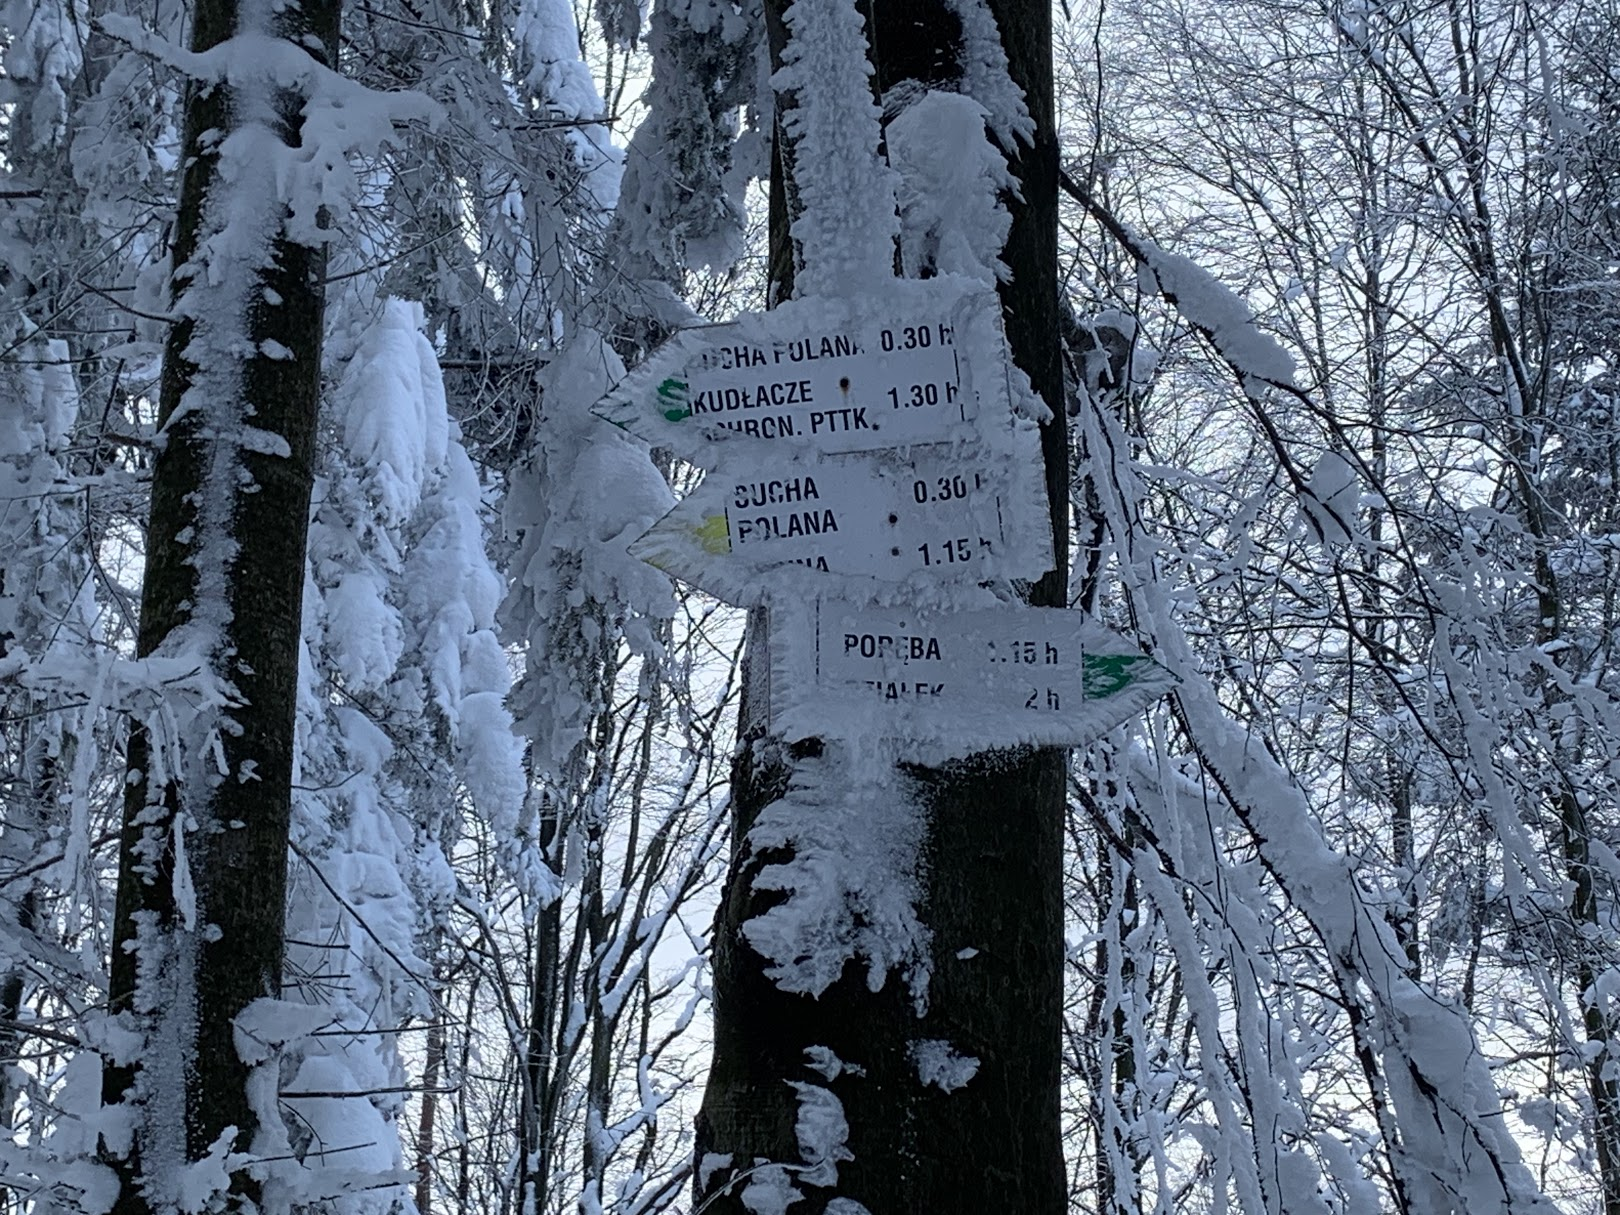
(203, 850)
(438, 1041)
(539, 1094)
(1596, 1018)
(992, 857)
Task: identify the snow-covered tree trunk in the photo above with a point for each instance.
(203, 850)
(894, 1100)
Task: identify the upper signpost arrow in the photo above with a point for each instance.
(922, 365)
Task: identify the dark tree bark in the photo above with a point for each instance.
(179, 984)
(993, 852)
(539, 1097)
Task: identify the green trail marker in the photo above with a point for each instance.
(672, 395)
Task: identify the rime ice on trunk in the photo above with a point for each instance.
(203, 852)
(986, 849)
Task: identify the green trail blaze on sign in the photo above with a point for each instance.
(1104, 674)
(672, 395)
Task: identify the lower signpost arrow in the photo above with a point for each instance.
(960, 681)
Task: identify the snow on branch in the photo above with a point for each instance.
(1329, 494)
(1218, 314)
(1443, 1119)
(340, 119)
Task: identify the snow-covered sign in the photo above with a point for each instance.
(923, 362)
(784, 525)
(958, 680)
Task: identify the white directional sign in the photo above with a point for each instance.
(939, 514)
(917, 366)
(959, 680)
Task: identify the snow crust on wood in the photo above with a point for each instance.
(1446, 1111)
(61, 682)
(1445, 1102)
(338, 1150)
(1349, 1174)
(242, 218)
(851, 882)
(825, 1062)
(41, 408)
(822, 1132)
(710, 1163)
(847, 223)
(986, 77)
(770, 1190)
(341, 119)
(263, 191)
(951, 217)
(939, 1063)
(268, 1025)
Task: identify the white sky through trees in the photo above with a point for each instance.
(1341, 347)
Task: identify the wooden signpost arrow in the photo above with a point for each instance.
(797, 520)
(826, 375)
(957, 680)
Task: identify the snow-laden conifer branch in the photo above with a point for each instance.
(403, 738)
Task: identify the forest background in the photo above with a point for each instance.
(1341, 909)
